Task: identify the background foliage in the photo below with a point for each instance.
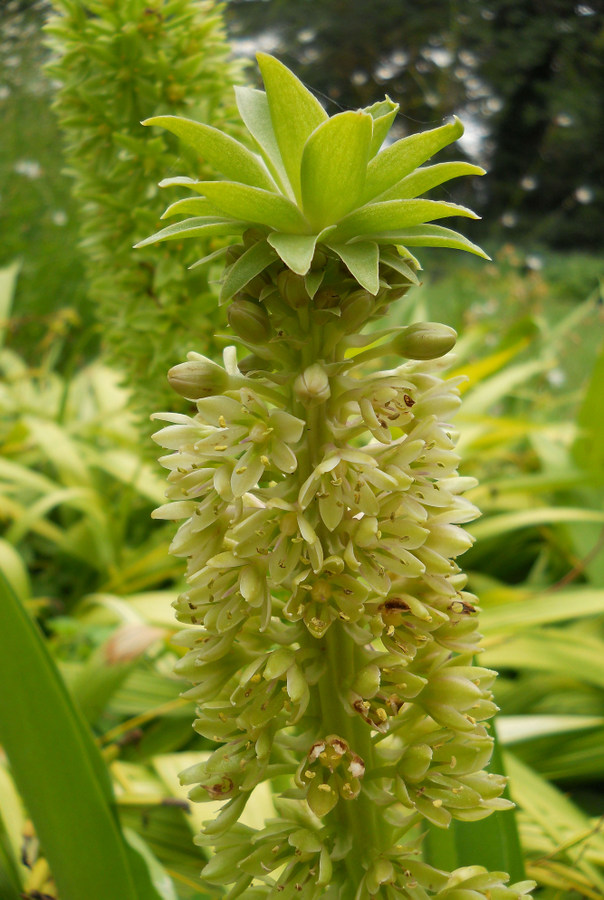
(77, 546)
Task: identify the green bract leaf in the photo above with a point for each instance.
(197, 227)
(192, 206)
(363, 263)
(295, 113)
(334, 163)
(251, 204)
(224, 153)
(425, 179)
(250, 264)
(397, 161)
(383, 114)
(393, 215)
(256, 115)
(427, 236)
(397, 263)
(296, 250)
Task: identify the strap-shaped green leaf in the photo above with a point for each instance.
(400, 159)
(58, 768)
(192, 206)
(251, 204)
(383, 113)
(249, 264)
(296, 250)
(295, 113)
(223, 152)
(425, 179)
(427, 236)
(256, 115)
(394, 215)
(396, 262)
(362, 261)
(334, 163)
(197, 227)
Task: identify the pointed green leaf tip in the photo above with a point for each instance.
(334, 163)
(316, 180)
(223, 152)
(295, 113)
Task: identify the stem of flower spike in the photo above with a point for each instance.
(358, 819)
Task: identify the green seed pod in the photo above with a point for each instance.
(250, 321)
(424, 340)
(321, 797)
(197, 378)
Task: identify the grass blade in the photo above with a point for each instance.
(58, 769)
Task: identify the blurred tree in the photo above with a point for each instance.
(526, 76)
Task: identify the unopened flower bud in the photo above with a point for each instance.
(326, 298)
(253, 236)
(292, 289)
(424, 340)
(312, 386)
(198, 377)
(253, 363)
(233, 253)
(250, 321)
(356, 309)
(319, 260)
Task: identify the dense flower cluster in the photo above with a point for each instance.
(336, 523)
(331, 639)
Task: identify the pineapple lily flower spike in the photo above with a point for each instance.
(331, 638)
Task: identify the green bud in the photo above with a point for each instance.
(356, 309)
(319, 260)
(292, 289)
(198, 377)
(312, 386)
(424, 340)
(252, 236)
(233, 253)
(253, 363)
(326, 298)
(250, 321)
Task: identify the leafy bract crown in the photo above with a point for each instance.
(316, 180)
